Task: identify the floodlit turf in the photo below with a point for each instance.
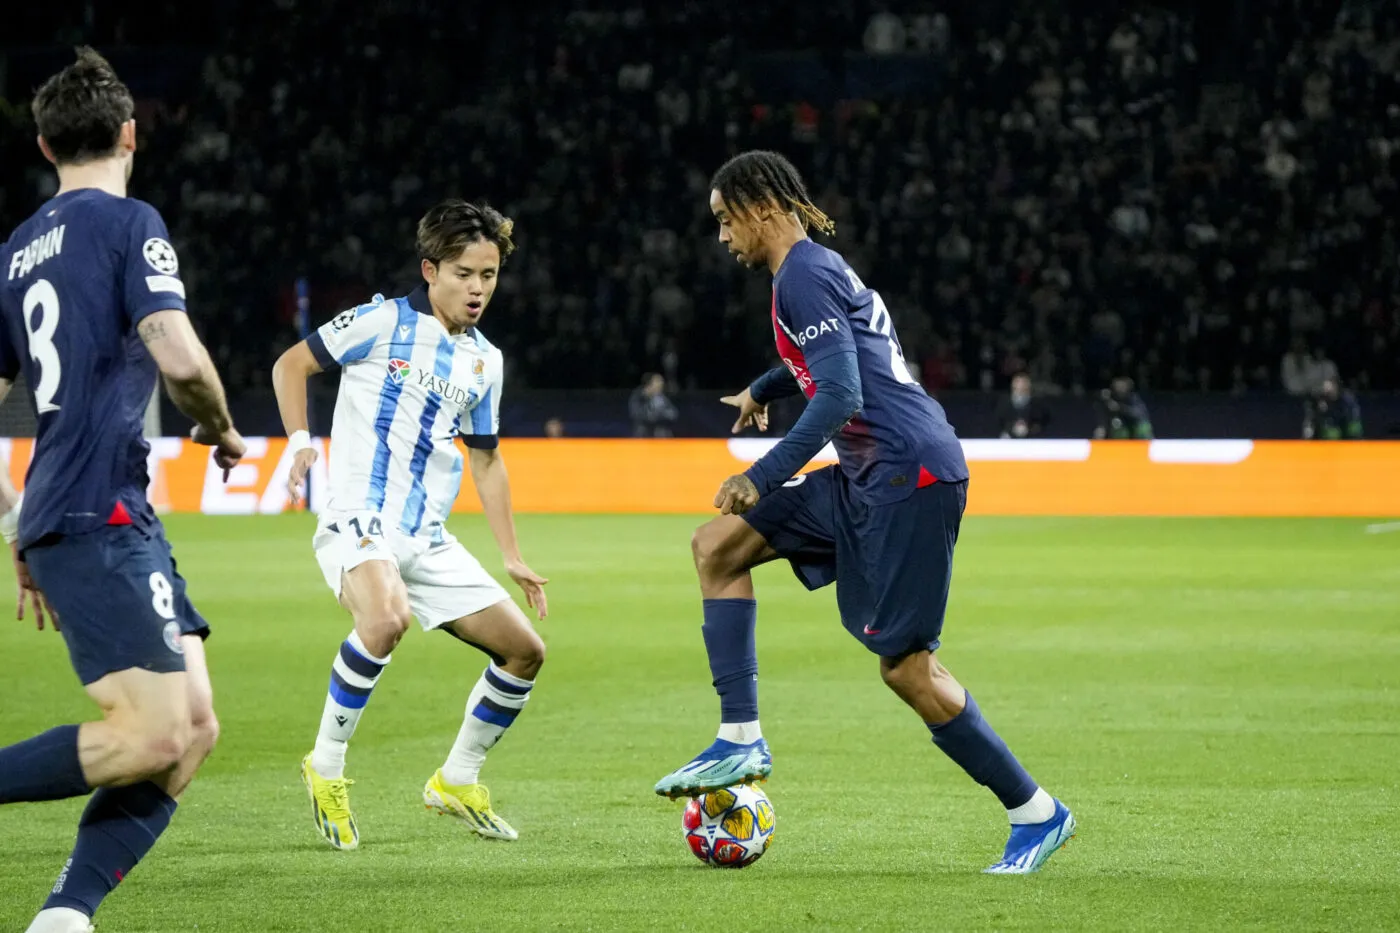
(1219, 701)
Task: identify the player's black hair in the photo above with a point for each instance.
(454, 224)
(753, 178)
(80, 110)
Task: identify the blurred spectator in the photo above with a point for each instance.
(1021, 414)
(651, 411)
(1321, 371)
(1296, 370)
(1303, 373)
(884, 33)
(1333, 414)
(1122, 413)
(554, 428)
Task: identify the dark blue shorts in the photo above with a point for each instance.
(892, 564)
(120, 601)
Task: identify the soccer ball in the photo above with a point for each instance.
(729, 828)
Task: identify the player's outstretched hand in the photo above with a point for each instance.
(736, 495)
(229, 447)
(533, 585)
(296, 477)
(750, 412)
(29, 592)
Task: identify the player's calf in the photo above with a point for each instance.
(118, 753)
(517, 654)
(376, 598)
(925, 685)
(130, 756)
(500, 694)
(725, 550)
(1040, 825)
(958, 729)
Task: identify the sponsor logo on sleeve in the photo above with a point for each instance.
(165, 283)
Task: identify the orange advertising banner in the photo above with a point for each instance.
(1009, 477)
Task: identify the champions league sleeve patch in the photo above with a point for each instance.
(160, 256)
(344, 319)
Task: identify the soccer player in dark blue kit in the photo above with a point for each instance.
(881, 524)
(92, 307)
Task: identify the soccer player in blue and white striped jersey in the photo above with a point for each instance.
(418, 374)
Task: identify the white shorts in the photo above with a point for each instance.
(444, 581)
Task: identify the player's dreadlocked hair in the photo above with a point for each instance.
(751, 178)
(454, 224)
(80, 110)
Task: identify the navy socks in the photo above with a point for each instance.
(969, 740)
(729, 641)
(118, 827)
(45, 767)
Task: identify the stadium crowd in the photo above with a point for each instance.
(1078, 198)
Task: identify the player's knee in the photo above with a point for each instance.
(901, 674)
(163, 753)
(700, 545)
(712, 556)
(150, 753)
(206, 732)
(531, 657)
(383, 626)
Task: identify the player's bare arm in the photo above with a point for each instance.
(9, 527)
(493, 486)
(289, 375)
(193, 383)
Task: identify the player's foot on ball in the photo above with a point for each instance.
(1032, 843)
(330, 807)
(723, 764)
(470, 803)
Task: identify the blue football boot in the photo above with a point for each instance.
(1032, 843)
(723, 764)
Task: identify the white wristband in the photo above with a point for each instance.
(9, 522)
(299, 441)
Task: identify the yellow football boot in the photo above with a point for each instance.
(330, 807)
(470, 803)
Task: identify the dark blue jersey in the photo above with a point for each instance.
(75, 279)
(900, 438)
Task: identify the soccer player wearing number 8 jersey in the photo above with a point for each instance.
(418, 374)
(881, 525)
(93, 307)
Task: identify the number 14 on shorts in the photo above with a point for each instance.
(366, 528)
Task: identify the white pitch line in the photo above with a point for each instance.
(1382, 528)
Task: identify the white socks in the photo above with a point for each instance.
(740, 733)
(1038, 809)
(60, 920)
(354, 673)
(495, 701)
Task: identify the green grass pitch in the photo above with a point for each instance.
(1219, 701)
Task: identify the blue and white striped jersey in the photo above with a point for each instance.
(408, 390)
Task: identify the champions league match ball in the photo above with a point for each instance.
(729, 828)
